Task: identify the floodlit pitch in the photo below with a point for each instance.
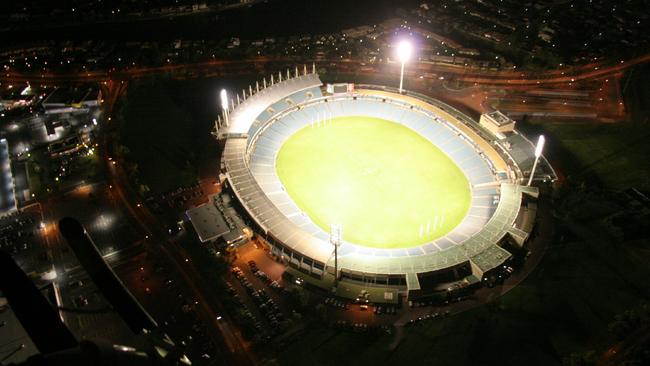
(387, 186)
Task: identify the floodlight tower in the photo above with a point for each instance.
(538, 152)
(404, 49)
(224, 105)
(335, 239)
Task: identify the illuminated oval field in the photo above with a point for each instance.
(387, 186)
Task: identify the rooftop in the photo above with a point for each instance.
(7, 198)
(499, 118)
(208, 222)
(15, 344)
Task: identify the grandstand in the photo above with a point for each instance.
(260, 124)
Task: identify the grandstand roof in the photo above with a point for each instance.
(522, 151)
(243, 116)
(208, 222)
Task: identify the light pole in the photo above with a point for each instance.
(538, 152)
(224, 105)
(403, 54)
(335, 239)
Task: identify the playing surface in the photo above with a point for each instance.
(387, 186)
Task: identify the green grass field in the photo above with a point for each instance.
(387, 186)
(613, 155)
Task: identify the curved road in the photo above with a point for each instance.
(469, 75)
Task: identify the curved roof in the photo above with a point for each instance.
(244, 114)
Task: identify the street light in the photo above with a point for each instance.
(404, 49)
(538, 152)
(224, 105)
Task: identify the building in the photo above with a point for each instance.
(497, 123)
(218, 220)
(15, 344)
(67, 100)
(7, 193)
(15, 97)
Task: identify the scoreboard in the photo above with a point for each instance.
(340, 88)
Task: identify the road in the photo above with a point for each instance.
(222, 332)
(503, 78)
(487, 88)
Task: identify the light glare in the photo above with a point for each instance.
(540, 146)
(404, 51)
(224, 99)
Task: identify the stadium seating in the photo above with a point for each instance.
(273, 115)
(432, 127)
(282, 105)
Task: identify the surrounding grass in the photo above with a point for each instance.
(387, 186)
(637, 93)
(613, 155)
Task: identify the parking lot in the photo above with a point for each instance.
(343, 313)
(21, 236)
(356, 315)
(260, 294)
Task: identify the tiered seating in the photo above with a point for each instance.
(305, 95)
(462, 152)
(281, 105)
(262, 164)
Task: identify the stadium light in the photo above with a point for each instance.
(224, 105)
(540, 146)
(538, 152)
(336, 232)
(224, 99)
(404, 49)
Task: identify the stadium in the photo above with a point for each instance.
(367, 191)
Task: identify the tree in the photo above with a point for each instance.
(321, 310)
(298, 297)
